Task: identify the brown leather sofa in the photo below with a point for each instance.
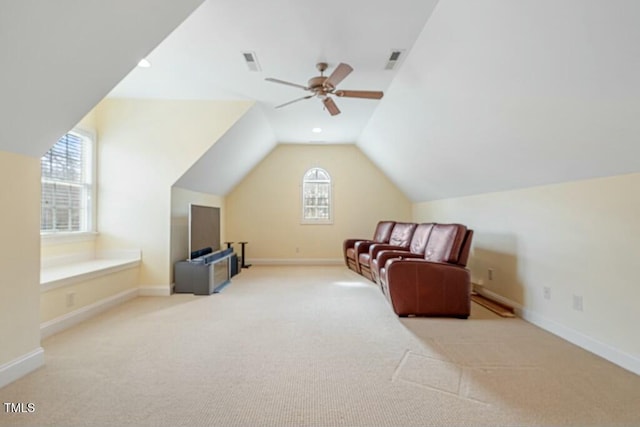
(400, 238)
(435, 283)
(380, 253)
(353, 247)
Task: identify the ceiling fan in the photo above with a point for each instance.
(322, 87)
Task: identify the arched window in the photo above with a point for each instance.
(316, 197)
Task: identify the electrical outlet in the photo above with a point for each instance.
(577, 303)
(547, 292)
(71, 299)
(490, 274)
(297, 250)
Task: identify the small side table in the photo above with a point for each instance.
(244, 264)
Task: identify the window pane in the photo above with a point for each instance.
(66, 186)
(316, 195)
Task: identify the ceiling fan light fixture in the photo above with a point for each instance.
(324, 88)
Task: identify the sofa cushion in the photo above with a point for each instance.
(445, 243)
(420, 238)
(383, 231)
(364, 259)
(402, 233)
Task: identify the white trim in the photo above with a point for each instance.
(65, 275)
(23, 365)
(89, 137)
(296, 261)
(154, 291)
(612, 354)
(70, 319)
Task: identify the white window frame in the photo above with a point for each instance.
(55, 237)
(303, 198)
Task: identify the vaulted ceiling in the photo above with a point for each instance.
(489, 95)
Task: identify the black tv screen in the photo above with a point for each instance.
(204, 229)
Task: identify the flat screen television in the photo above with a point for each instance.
(204, 230)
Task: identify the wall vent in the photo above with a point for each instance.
(393, 58)
(251, 60)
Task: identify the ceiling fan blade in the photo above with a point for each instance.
(341, 71)
(331, 106)
(369, 94)
(282, 82)
(295, 100)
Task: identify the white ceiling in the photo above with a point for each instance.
(492, 95)
(203, 58)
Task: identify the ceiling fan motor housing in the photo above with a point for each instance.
(316, 84)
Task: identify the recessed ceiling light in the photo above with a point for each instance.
(316, 130)
(144, 63)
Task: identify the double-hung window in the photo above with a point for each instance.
(316, 197)
(67, 185)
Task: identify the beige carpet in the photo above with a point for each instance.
(314, 346)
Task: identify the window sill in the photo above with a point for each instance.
(72, 269)
(316, 222)
(49, 239)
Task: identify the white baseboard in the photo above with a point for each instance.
(612, 354)
(68, 320)
(296, 261)
(18, 368)
(154, 291)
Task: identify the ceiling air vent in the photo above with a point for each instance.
(393, 58)
(251, 60)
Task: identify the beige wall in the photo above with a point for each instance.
(145, 146)
(578, 238)
(53, 303)
(264, 209)
(19, 256)
(180, 200)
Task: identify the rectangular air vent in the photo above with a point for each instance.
(251, 60)
(393, 58)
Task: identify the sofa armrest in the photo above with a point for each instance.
(420, 287)
(384, 256)
(350, 243)
(362, 246)
(376, 248)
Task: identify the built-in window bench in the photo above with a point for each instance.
(56, 272)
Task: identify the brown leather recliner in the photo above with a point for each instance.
(380, 253)
(351, 247)
(400, 239)
(437, 284)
